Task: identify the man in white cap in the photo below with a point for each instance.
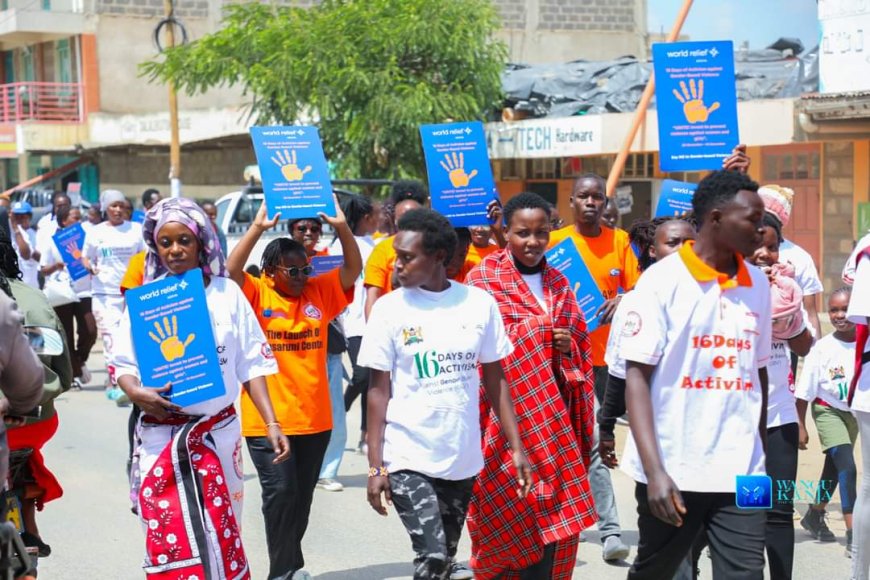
(778, 202)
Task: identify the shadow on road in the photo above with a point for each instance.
(374, 572)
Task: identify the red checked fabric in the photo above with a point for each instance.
(552, 395)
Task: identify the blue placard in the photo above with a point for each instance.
(173, 338)
(565, 258)
(69, 242)
(696, 99)
(294, 171)
(138, 216)
(323, 264)
(460, 176)
(675, 198)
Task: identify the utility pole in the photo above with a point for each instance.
(174, 143)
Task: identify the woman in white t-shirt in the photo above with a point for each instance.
(824, 384)
(790, 334)
(187, 479)
(77, 317)
(424, 412)
(106, 253)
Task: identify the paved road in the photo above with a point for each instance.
(94, 535)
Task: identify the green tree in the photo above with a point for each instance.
(366, 72)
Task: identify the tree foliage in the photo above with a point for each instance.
(366, 72)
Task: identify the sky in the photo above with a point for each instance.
(761, 22)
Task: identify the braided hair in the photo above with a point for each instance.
(280, 248)
(642, 234)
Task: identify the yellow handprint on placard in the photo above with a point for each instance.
(693, 102)
(73, 250)
(167, 337)
(455, 168)
(286, 160)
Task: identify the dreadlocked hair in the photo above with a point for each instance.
(642, 234)
(280, 248)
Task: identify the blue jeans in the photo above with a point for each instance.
(599, 476)
(338, 439)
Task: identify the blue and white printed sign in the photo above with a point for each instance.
(294, 171)
(696, 100)
(565, 258)
(460, 176)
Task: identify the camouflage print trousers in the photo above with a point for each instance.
(433, 511)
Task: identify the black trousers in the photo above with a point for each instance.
(781, 465)
(359, 382)
(541, 570)
(735, 536)
(287, 489)
(78, 321)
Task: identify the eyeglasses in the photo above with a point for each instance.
(312, 229)
(294, 271)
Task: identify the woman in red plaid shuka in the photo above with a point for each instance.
(550, 373)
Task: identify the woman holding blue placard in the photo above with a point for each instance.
(53, 268)
(187, 480)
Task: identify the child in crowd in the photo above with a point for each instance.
(824, 386)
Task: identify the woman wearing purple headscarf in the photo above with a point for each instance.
(187, 473)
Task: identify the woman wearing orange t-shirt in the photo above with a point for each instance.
(294, 310)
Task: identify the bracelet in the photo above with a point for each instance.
(378, 471)
(273, 424)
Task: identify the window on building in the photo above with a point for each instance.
(511, 169)
(791, 165)
(544, 169)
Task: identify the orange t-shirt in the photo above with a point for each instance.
(296, 331)
(379, 267)
(476, 254)
(467, 267)
(613, 265)
(135, 272)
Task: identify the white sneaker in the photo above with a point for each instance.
(460, 572)
(614, 549)
(86, 375)
(301, 575)
(327, 484)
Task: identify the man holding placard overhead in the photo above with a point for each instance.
(608, 255)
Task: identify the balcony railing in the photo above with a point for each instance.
(41, 102)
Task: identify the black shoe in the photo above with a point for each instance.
(32, 541)
(814, 523)
(848, 543)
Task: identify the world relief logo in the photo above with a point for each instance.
(182, 286)
(759, 491)
(754, 492)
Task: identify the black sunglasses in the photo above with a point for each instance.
(295, 271)
(312, 229)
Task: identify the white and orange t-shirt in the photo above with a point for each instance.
(613, 265)
(707, 335)
(296, 331)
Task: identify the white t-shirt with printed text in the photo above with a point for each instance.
(827, 373)
(707, 345)
(431, 343)
(110, 248)
(29, 268)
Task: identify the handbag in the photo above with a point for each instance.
(59, 291)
